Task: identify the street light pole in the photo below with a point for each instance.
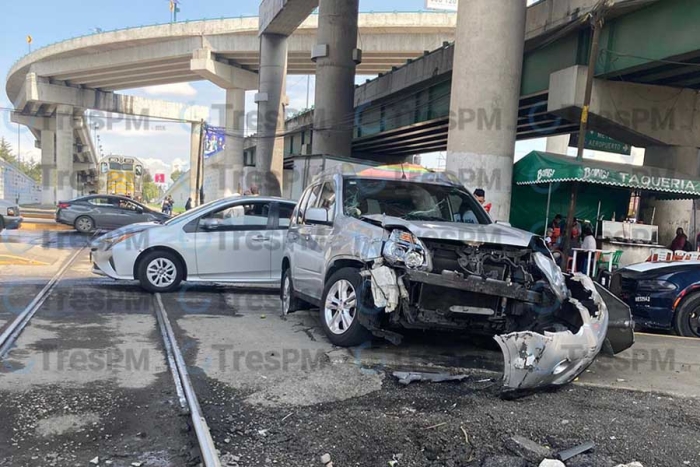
(597, 20)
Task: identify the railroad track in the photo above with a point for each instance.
(183, 384)
(12, 332)
(186, 394)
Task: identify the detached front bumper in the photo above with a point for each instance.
(533, 360)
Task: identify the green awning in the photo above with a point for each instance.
(538, 168)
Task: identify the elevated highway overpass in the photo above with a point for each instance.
(52, 87)
(646, 80)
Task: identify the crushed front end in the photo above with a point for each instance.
(549, 327)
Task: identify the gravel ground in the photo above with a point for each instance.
(421, 425)
(60, 426)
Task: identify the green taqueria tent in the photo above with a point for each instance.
(541, 179)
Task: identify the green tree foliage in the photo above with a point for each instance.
(151, 191)
(176, 175)
(29, 167)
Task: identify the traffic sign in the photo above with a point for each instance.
(599, 142)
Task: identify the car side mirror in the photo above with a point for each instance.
(317, 216)
(139, 209)
(209, 224)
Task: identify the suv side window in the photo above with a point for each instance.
(310, 202)
(327, 199)
(298, 212)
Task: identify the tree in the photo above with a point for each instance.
(29, 167)
(176, 175)
(151, 191)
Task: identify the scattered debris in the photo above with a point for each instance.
(436, 426)
(95, 461)
(552, 463)
(631, 464)
(136, 464)
(262, 432)
(287, 416)
(326, 459)
(407, 377)
(567, 454)
(527, 448)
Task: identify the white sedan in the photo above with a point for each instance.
(237, 239)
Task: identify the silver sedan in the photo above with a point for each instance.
(235, 240)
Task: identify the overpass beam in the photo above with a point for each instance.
(336, 58)
(642, 115)
(485, 96)
(231, 176)
(66, 180)
(223, 75)
(196, 163)
(271, 100)
(48, 167)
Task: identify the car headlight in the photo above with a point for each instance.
(655, 286)
(553, 274)
(110, 242)
(403, 247)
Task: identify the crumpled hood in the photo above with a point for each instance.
(492, 233)
(127, 229)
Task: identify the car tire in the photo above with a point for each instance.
(290, 302)
(341, 322)
(160, 272)
(686, 322)
(2, 223)
(84, 224)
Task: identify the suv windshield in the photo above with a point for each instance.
(411, 201)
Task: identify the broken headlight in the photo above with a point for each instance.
(403, 247)
(553, 274)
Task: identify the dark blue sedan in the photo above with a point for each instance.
(662, 295)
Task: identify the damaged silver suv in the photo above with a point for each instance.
(386, 249)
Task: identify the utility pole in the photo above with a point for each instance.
(597, 20)
(19, 148)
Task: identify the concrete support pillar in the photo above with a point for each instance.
(558, 144)
(484, 99)
(48, 167)
(336, 59)
(195, 163)
(671, 214)
(232, 172)
(271, 100)
(65, 175)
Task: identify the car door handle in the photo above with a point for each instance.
(306, 236)
(260, 238)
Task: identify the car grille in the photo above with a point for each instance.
(623, 287)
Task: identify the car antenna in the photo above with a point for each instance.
(403, 174)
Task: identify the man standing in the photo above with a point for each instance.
(480, 196)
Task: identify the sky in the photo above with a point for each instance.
(162, 146)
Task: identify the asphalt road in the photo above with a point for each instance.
(88, 378)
